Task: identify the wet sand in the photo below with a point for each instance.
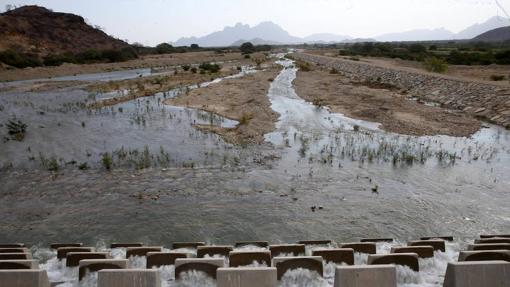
(242, 99)
(383, 105)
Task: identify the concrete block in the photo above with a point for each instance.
(128, 278)
(436, 244)
(387, 239)
(19, 264)
(363, 247)
(366, 276)
(489, 246)
(126, 245)
(62, 251)
(202, 251)
(14, 250)
(294, 249)
(15, 256)
(244, 258)
(206, 265)
(477, 274)
(495, 235)
(492, 240)
(142, 251)
(156, 259)
(283, 264)
(247, 277)
(485, 255)
(262, 244)
(178, 245)
(315, 242)
(336, 255)
(405, 259)
(446, 238)
(422, 251)
(24, 278)
(12, 245)
(73, 258)
(59, 245)
(94, 265)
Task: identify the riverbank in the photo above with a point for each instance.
(383, 105)
(479, 100)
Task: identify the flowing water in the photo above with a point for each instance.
(361, 181)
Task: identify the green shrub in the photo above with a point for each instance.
(165, 48)
(435, 65)
(19, 60)
(186, 67)
(497, 77)
(212, 68)
(247, 48)
(107, 161)
(194, 70)
(16, 129)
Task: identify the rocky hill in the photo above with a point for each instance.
(41, 31)
(496, 35)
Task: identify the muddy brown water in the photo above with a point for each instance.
(369, 183)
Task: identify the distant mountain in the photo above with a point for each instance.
(477, 29)
(42, 31)
(496, 35)
(443, 34)
(326, 38)
(417, 35)
(266, 31)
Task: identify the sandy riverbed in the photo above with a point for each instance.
(242, 99)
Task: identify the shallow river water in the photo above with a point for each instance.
(364, 182)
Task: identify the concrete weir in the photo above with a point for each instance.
(477, 274)
(247, 277)
(73, 258)
(202, 251)
(24, 278)
(244, 258)
(405, 259)
(157, 259)
(208, 266)
(18, 264)
(436, 244)
(337, 255)
(422, 251)
(94, 265)
(128, 278)
(361, 247)
(312, 263)
(294, 249)
(485, 255)
(361, 276)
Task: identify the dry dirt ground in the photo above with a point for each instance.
(393, 110)
(150, 61)
(242, 99)
(475, 72)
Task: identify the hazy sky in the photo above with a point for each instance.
(155, 21)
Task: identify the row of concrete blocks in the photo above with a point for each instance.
(459, 274)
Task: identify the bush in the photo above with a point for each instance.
(16, 129)
(165, 48)
(247, 48)
(435, 65)
(194, 70)
(211, 67)
(186, 67)
(497, 77)
(19, 60)
(107, 161)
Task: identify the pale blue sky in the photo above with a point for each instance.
(155, 21)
